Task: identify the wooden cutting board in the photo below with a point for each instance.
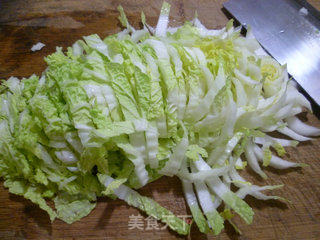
(60, 23)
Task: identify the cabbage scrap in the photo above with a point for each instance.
(110, 115)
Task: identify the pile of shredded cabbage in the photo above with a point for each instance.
(108, 116)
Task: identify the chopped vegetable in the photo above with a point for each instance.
(110, 115)
(303, 11)
(38, 46)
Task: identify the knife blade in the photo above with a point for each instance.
(287, 35)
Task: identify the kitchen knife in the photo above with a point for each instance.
(289, 31)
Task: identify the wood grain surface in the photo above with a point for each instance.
(59, 23)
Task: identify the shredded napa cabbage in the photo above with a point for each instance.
(110, 115)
